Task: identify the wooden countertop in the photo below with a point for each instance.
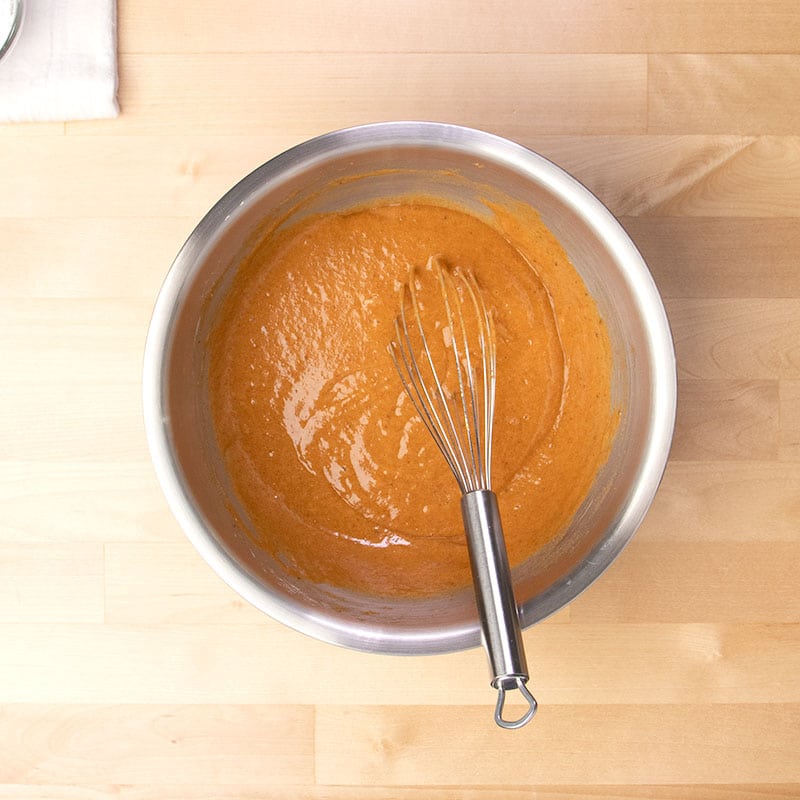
(128, 670)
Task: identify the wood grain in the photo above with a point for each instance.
(695, 176)
(104, 334)
(742, 582)
(51, 583)
(728, 176)
(101, 424)
(683, 176)
(705, 93)
(92, 351)
(571, 26)
(789, 410)
(162, 176)
(720, 258)
(208, 744)
(726, 419)
(168, 583)
(593, 661)
(26, 129)
(193, 791)
(81, 257)
(94, 501)
(617, 744)
(743, 339)
(605, 93)
(726, 501)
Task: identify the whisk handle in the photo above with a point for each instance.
(494, 594)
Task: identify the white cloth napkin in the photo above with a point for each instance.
(63, 63)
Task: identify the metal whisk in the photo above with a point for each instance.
(445, 352)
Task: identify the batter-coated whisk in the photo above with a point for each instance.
(445, 351)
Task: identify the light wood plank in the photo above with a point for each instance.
(694, 663)
(702, 93)
(96, 257)
(741, 339)
(571, 26)
(51, 583)
(696, 582)
(194, 791)
(68, 502)
(703, 176)
(87, 423)
(725, 501)
(726, 419)
(209, 744)
(239, 792)
(789, 442)
(184, 174)
(215, 93)
(169, 583)
(713, 257)
(596, 662)
(32, 129)
(696, 792)
(92, 351)
(760, 178)
(46, 342)
(127, 176)
(616, 744)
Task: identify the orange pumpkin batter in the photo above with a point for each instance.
(339, 477)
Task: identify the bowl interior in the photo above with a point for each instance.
(338, 172)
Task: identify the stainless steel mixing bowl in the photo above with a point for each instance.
(337, 171)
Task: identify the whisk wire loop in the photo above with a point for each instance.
(470, 447)
(458, 419)
(426, 396)
(487, 347)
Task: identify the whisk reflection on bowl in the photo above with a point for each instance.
(445, 351)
